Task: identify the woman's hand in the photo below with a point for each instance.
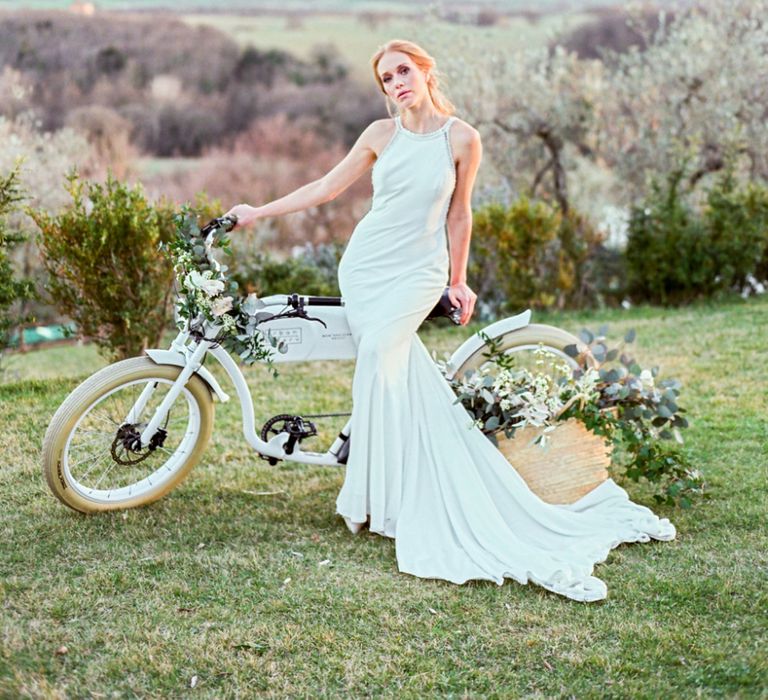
(461, 295)
(246, 215)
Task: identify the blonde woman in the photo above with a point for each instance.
(415, 472)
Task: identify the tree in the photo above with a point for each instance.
(696, 94)
(45, 158)
(691, 91)
(12, 290)
(535, 108)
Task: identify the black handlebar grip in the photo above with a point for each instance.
(226, 222)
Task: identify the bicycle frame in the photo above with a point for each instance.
(324, 337)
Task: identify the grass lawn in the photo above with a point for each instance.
(223, 589)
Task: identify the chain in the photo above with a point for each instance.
(325, 415)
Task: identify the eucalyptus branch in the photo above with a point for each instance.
(607, 391)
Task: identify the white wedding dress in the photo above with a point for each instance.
(416, 470)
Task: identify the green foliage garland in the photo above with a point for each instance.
(608, 391)
(207, 296)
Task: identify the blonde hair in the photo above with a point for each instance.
(424, 62)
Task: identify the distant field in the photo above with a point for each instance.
(315, 5)
(356, 40)
(299, 26)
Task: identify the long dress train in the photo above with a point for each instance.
(416, 470)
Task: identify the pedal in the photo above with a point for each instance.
(296, 427)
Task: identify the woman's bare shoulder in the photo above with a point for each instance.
(383, 125)
(378, 133)
(464, 138)
(464, 132)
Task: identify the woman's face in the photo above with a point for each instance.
(404, 82)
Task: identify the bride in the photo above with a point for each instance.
(415, 471)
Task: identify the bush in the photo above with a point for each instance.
(46, 158)
(531, 255)
(324, 258)
(312, 271)
(182, 129)
(108, 134)
(587, 268)
(127, 64)
(614, 30)
(677, 253)
(101, 255)
(274, 156)
(737, 222)
(12, 290)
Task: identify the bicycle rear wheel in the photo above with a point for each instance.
(524, 345)
(92, 458)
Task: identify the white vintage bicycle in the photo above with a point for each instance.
(133, 430)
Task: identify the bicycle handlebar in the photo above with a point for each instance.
(224, 223)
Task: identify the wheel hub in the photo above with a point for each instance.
(128, 437)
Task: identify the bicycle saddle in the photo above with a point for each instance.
(444, 307)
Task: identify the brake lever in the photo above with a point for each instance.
(298, 313)
(313, 318)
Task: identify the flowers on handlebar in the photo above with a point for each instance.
(205, 282)
(207, 303)
(222, 306)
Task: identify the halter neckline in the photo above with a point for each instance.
(427, 134)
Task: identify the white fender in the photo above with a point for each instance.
(472, 344)
(169, 357)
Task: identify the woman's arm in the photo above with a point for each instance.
(459, 220)
(359, 159)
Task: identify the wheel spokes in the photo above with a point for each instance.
(102, 456)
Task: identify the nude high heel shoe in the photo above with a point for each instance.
(354, 528)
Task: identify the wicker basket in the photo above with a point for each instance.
(572, 462)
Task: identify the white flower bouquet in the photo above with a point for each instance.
(206, 296)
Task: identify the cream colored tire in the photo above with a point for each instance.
(528, 338)
(75, 432)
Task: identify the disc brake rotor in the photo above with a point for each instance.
(129, 438)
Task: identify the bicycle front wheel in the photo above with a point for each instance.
(92, 458)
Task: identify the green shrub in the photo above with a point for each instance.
(313, 271)
(677, 253)
(529, 254)
(586, 267)
(105, 270)
(12, 290)
(737, 223)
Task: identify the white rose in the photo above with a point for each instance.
(221, 306)
(204, 282)
(646, 377)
